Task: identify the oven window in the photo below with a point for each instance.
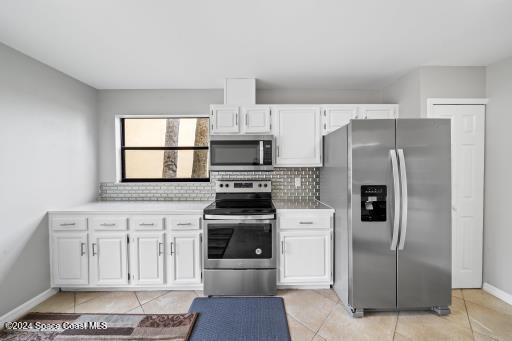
(224, 153)
(239, 241)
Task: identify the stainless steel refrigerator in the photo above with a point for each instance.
(390, 183)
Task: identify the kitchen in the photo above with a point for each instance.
(88, 190)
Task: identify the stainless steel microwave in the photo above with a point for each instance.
(241, 152)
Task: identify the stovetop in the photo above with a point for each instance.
(240, 207)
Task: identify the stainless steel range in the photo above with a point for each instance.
(240, 240)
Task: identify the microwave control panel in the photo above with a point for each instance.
(373, 202)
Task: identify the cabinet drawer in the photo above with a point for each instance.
(304, 221)
(184, 222)
(69, 223)
(108, 223)
(147, 223)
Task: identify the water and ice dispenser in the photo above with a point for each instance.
(373, 202)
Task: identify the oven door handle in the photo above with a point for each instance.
(261, 152)
(239, 217)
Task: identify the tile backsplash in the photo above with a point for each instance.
(283, 186)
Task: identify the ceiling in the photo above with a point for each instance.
(195, 44)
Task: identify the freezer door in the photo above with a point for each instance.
(424, 250)
(373, 263)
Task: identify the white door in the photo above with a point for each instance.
(305, 257)
(336, 116)
(224, 119)
(185, 258)
(468, 134)
(147, 258)
(109, 259)
(298, 136)
(70, 259)
(378, 111)
(256, 119)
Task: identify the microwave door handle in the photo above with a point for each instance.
(261, 152)
(396, 196)
(405, 198)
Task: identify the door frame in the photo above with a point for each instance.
(453, 101)
(431, 102)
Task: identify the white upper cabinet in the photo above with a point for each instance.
(378, 111)
(256, 119)
(336, 116)
(70, 258)
(298, 136)
(224, 119)
(109, 258)
(228, 119)
(147, 258)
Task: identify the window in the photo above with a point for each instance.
(164, 149)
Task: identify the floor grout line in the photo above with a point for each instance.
(140, 305)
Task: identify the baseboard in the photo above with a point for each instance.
(21, 310)
(502, 295)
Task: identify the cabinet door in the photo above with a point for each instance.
(69, 258)
(109, 259)
(305, 257)
(147, 258)
(378, 111)
(298, 136)
(185, 258)
(224, 119)
(337, 116)
(256, 119)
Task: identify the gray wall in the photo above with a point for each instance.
(189, 102)
(498, 170)
(48, 148)
(451, 82)
(413, 89)
(406, 92)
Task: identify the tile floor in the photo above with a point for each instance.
(318, 315)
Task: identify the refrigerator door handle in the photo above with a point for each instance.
(396, 195)
(405, 198)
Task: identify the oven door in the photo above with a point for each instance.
(241, 152)
(239, 244)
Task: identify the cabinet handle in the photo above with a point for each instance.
(160, 248)
(172, 251)
(67, 224)
(147, 224)
(282, 247)
(94, 252)
(105, 224)
(236, 118)
(277, 150)
(305, 222)
(184, 224)
(82, 249)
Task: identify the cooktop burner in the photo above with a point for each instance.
(241, 207)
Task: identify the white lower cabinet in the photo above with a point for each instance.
(147, 258)
(109, 259)
(184, 258)
(305, 257)
(70, 258)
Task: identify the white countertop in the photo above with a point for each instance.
(168, 207)
(301, 205)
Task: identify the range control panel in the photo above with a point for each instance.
(243, 186)
(373, 202)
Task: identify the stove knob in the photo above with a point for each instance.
(221, 185)
(227, 185)
(265, 185)
(259, 185)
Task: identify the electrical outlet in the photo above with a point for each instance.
(297, 182)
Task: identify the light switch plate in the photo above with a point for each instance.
(297, 182)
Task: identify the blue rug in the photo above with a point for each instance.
(240, 319)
